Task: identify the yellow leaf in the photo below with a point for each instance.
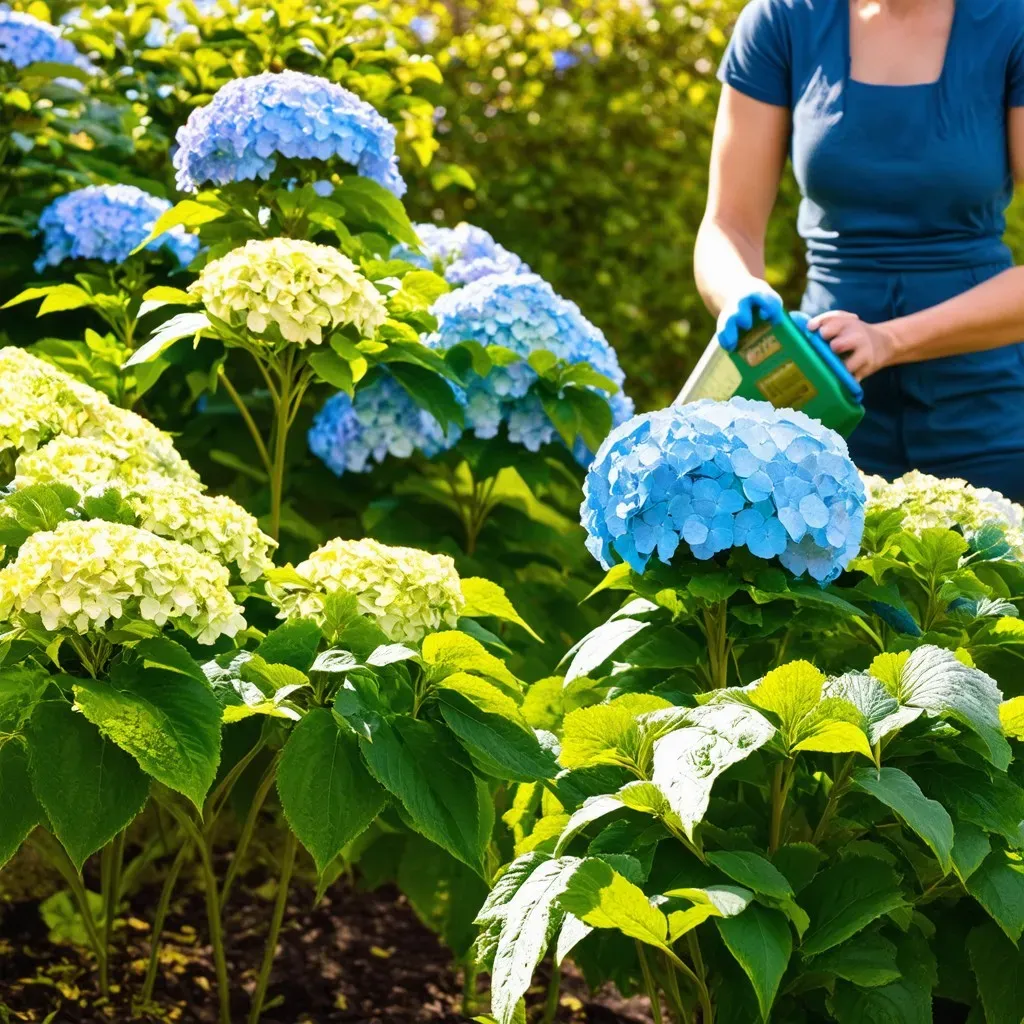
(790, 691)
(1011, 715)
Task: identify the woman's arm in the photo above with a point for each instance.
(748, 155)
(988, 316)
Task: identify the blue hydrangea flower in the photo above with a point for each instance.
(564, 60)
(26, 40)
(717, 475)
(250, 122)
(106, 222)
(520, 312)
(352, 437)
(463, 253)
(424, 28)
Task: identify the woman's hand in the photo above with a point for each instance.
(755, 300)
(865, 348)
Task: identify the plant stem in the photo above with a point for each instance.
(53, 852)
(707, 1011)
(780, 790)
(242, 846)
(717, 635)
(113, 854)
(217, 799)
(835, 794)
(257, 438)
(698, 964)
(280, 904)
(470, 972)
(554, 994)
(282, 415)
(650, 987)
(162, 908)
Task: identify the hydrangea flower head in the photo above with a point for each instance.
(352, 437)
(928, 501)
(298, 287)
(26, 40)
(409, 592)
(250, 122)
(709, 476)
(520, 312)
(86, 577)
(166, 506)
(463, 253)
(106, 222)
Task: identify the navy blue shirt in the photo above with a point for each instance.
(905, 177)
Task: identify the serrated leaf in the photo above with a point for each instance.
(970, 848)
(454, 651)
(327, 795)
(998, 885)
(1011, 716)
(845, 898)
(293, 643)
(991, 801)
(186, 213)
(89, 789)
(753, 871)
(882, 712)
(484, 598)
(762, 944)
(868, 960)
(790, 691)
(899, 792)
(996, 963)
(19, 809)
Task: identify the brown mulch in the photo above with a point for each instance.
(356, 958)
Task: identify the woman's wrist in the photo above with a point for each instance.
(906, 337)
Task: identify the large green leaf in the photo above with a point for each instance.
(998, 885)
(453, 651)
(867, 960)
(970, 848)
(599, 896)
(687, 761)
(20, 689)
(762, 943)
(790, 691)
(19, 809)
(933, 679)
(89, 788)
(293, 643)
(991, 801)
(999, 971)
(327, 795)
(492, 728)
(845, 898)
(486, 599)
(882, 712)
(753, 871)
(928, 818)
(162, 713)
(421, 765)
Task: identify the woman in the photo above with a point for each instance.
(905, 123)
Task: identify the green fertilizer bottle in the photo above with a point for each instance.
(780, 362)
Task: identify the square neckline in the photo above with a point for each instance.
(935, 82)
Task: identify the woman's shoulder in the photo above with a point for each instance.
(787, 16)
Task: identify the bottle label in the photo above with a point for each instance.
(758, 345)
(786, 387)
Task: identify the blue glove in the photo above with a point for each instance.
(838, 367)
(742, 314)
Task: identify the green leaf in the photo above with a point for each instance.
(1011, 715)
(327, 795)
(835, 726)
(333, 370)
(687, 761)
(19, 809)
(753, 871)
(989, 800)
(998, 885)
(169, 721)
(899, 792)
(431, 392)
(790, 691)
(484, 598)
(762, 943)
(188, 213)
(89, 789)
(902, 1002)
(184, 325)
(419, 763)
(601, 897)
(997, 966)
(371, 206)
(420, 289)
(453, 651)
(868, 960)
(970, 848)
(492, 728)
(600, 644)
(34, 509)
(934, 679)
(20, 690)
(845, 898)
(293, 643)
(882, 714)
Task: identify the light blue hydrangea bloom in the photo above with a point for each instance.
(520, 312)
(353, 437)
(250, 122)
(106, 222)
(424, 28)
(463, 253)
(717, 475)
(26, 40)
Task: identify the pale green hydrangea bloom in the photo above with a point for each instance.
(929, 501)
(410, 592)
(166, 506)
(301, 287)
(85, 577)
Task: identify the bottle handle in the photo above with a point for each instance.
(834, 363)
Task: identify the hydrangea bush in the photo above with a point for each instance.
(107, 222)
(26, 40)
(463, 253)
(86, 577)
(409, 592)
(710, 476)
(251, 123)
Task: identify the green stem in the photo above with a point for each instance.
(113, 853)
(780, 791)
(470, 972)
(280, 905)
(56, 855)
(160, 918)
(717, 635)
(242, 846)
(698, 965)
(554, 995)
(282, 415)
(212, 909)
(650, 987)
(672, 993)
(217, 799)
(703, 995)
(834, 796)
(243, 409)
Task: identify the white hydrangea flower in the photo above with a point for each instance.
(301, 287)
(410, 592)
(84, 577)
(929, 501)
